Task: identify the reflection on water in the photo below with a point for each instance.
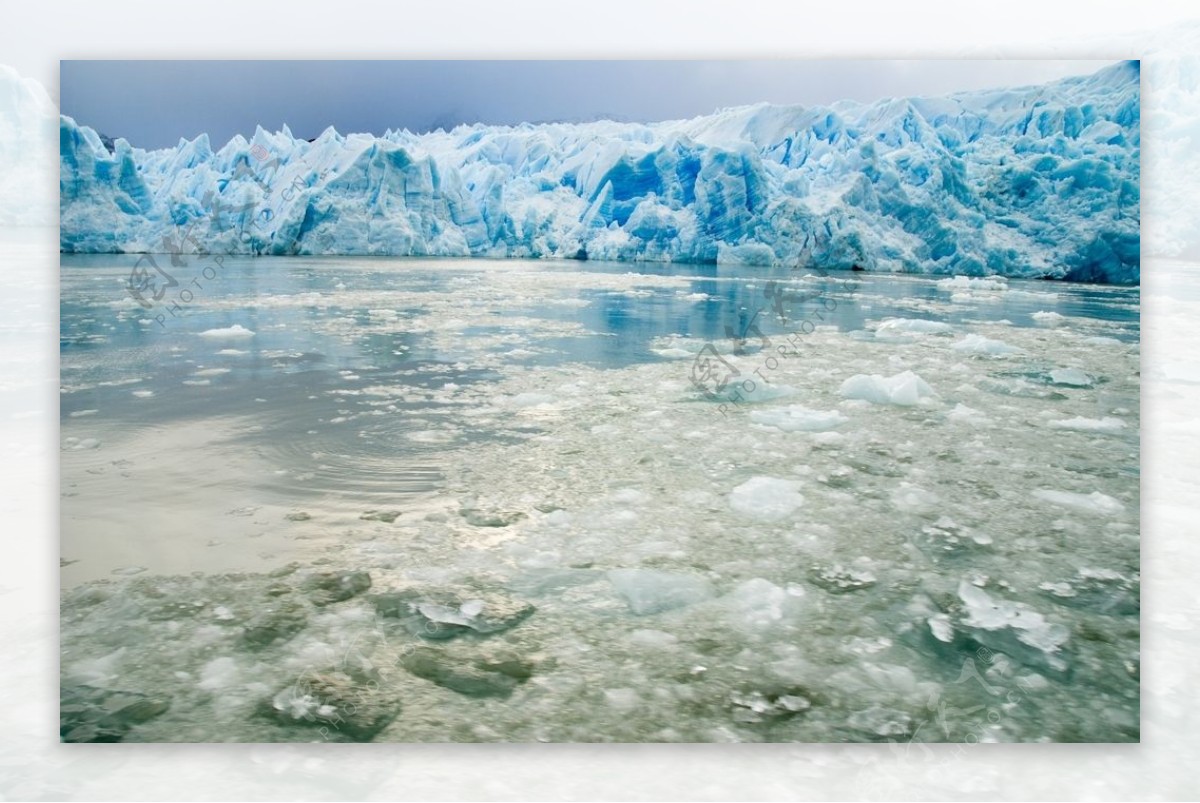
(341, 377)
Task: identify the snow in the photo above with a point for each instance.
(797, 418)
(904, 389)
(898, 186)
(766, 498)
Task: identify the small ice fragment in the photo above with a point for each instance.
(978, 344)
(766, 498)
(650, 591)
(143, 394)
(904, 389)
(471, 608)
(1106, 424)
(960, 283)
(1095, 502)
(798, 418)
(1071, 377)
(622, 699)
(894, 327)
(911, 499)
(219, 673)
(962, 414)
(232, 332)
(942, 629)
(1048, 318)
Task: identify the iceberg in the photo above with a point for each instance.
(904, 389)
(1038, 181)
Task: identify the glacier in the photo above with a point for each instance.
(1038, 181)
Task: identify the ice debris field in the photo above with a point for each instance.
(1041, 181)
(926, 531)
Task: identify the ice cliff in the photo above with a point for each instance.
(1036, 181)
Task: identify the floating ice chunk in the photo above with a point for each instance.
(798, 418)
(523, 400)
(756, 603)
(1048, 318)
(231, 352)
(210, 372)
(656, 639)
(219, 673)
(960, 283)
(881, 721)
(629, 496)
(81, 413)
(236, 331)
(1071, 377)
(962, 414)
(1107, 424)
(911, 499)
(941, 627)
(673, 352)
(985, 614)
(1095, 502)
(978, 344)
(650, 591)
(76, 445)
(143, 394)
(622, 699)
(899, 327)
(904, 389)
(766, 498)
(97, 671)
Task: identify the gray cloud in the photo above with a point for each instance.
(155, 103)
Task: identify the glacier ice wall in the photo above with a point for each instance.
(27, 157)
(1036, 181)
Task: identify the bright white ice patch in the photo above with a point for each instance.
(234, 332)
(978, 344)
(798, 418)
(969, 284)
(904, 389)
(1071, 377)
(1081, 424)
(899, 327)
(649, 591)
(1095, 502)
(766, 498)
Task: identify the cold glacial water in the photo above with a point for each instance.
(471, 500)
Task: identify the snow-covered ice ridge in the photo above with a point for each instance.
(1036, 181)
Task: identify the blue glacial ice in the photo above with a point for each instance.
(1035, 181)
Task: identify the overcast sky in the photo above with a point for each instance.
(154, 103)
